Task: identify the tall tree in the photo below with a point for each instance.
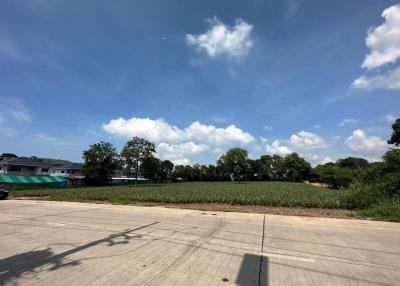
(135, 152)
(266, 167)
(166, 169)
(151, 169)
(294, 168)
(395, 138)
(101, 159)
(235, 163)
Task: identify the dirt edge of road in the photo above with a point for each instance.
(311, 212)
(295, 211)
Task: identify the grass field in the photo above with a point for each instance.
(282, 194)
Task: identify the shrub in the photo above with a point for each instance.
(383, 211)
(362, 196)
(334, 176)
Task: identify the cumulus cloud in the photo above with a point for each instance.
(278, 149)
(178, 153)
(221, 39)
(301, 143)
(347, 121)
(218, 136)
(384, 40)
(389, 80)
(384, 44)
(154, 130)
(160, 131)
(307, 140)
(371, 147)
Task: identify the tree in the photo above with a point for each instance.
(101, 159)
(334, 176)
(373, 174)
(212, 173)
(352, 163)
(166, 169)
(135, 152)
(156, 170)
(391, 171)
(266, 167)
(395, 138)
(392, 161)
(294, 168)
(235, 163)
(6, 156)
(151, 169)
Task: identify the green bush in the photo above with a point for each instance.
(387, 211)
(362, 196)
(335, 176)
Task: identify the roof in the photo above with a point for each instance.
(69, 166)
(30, 179)
(23, 161)
(129, 179)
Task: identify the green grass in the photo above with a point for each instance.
(387, 211)
(283, 194)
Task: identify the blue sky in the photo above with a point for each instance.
(321, 78)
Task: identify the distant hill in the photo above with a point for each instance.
(51, 162)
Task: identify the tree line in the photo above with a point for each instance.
(102, 161)
(138, 157)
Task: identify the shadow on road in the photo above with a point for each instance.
(33, 261)
(253, 271)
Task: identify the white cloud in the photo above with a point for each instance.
(178, 153)
(10, 50)
(221, 39)
(301, 143)
(154, 130)
(326, 160)
(13, 113)
(45, 137)
(317, 126)
(384, 44)
(278, 149)
(371, 147)
(183, 161)
(160, 131)
(384, 40)
(268, 128)
(15, 110)
(347, 121)
(217, 150)
(317, 159)
(391, 118)
(218, 136)
(307, 140)
(390, 80)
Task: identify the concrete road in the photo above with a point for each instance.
(57, 243)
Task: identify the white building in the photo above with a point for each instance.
(67, 170)
(23, 166)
